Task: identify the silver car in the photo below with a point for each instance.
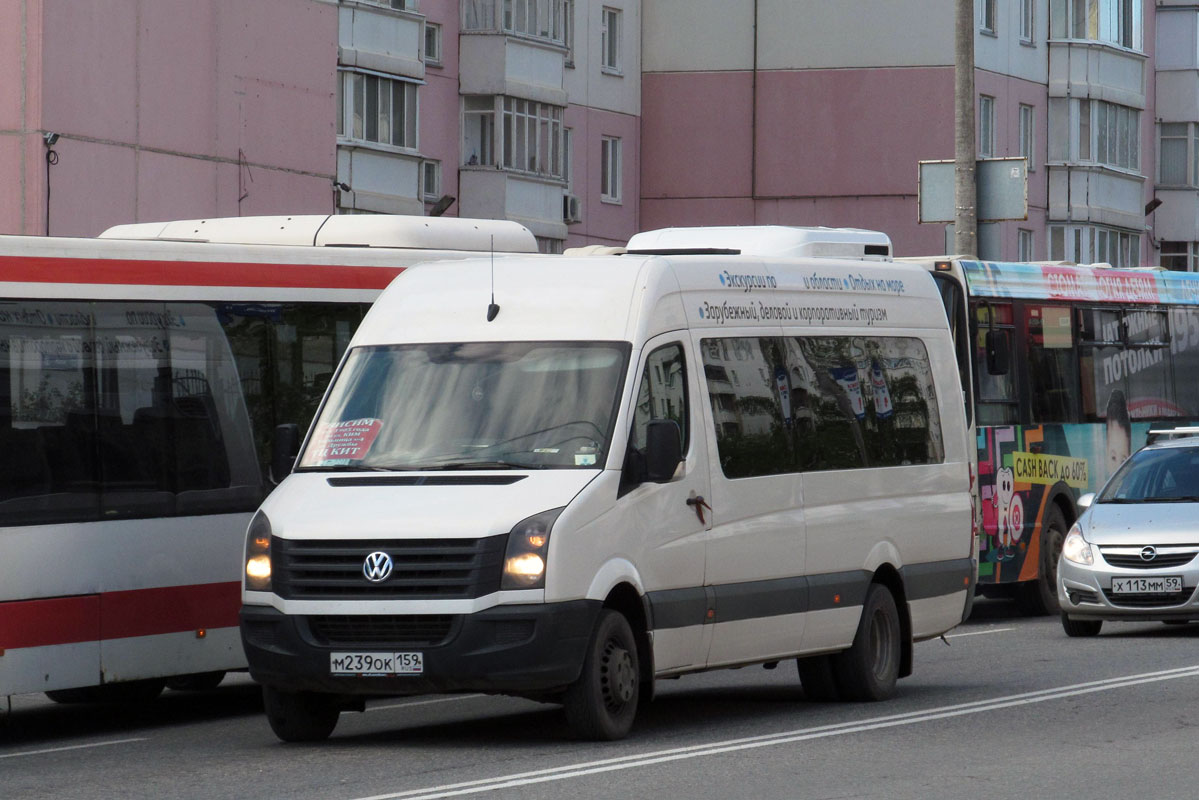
(1131, 555)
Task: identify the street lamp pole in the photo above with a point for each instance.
(965, 188)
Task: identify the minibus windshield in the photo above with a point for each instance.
(474, 405)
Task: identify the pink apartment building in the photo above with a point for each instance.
(588, 120)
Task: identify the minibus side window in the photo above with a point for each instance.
(661, 394)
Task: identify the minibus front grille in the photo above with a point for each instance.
(422, 569)
(351, 630)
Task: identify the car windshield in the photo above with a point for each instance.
(1167, 475)
(478, 405)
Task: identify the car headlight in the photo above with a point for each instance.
(528, 546)
(1076, 549)
(258, 554)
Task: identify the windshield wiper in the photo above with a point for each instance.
(1123, 500)
(350, 468)
(1183, 499)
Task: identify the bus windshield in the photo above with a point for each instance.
(479, 405)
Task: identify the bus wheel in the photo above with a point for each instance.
(198, 682)
(1081, 627)
(816, 677)
(602, 703)
(300, 716)
(869, 668)
(1038, 597)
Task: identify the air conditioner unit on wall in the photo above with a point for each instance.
(572, 209)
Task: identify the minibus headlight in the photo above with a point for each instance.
(528, 545)
(258, 554)
(1076, 549)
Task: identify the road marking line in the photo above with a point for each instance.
(785, 737)
(427, 702)
(978, 633)
(72, 747)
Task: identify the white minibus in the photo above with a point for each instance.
(566, 478)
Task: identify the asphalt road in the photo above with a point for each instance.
(1010, 708)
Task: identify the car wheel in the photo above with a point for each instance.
(1039, 597)
(300, 716)
(816, 677)
(602, 703)
(869, 668)
(1081, 627)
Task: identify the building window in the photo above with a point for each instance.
(1027, 138)
(1174, 255)
(432, 44)
(610, 40)
(1028, 21)
(377, 109)
(1025, 245)
(1116, 132)
(532, 137)
(610, 170)
(986, 126)
(399, 5)
(568, 149)
(541, 19)
(1178, 154)
(1117, 22)
(430, 180)
(988, 20)
(1088, 244)
(568, 30)
(478, 131)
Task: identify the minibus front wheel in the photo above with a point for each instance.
(301, 716)
(602, 703)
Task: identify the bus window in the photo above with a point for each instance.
(997, 399)
(1126, 351)
(1052, 363)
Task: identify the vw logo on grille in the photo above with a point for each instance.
(1148, 553)
(377, 567)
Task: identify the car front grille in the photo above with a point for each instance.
(411, 630)
(423, 569)
(1148, 600)
(1164, 560)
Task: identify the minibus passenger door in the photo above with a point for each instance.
(663, 506)
(756, 550)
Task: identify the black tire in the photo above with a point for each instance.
(1038, 598)
(816, 677)
(869, 668)
(199, 682)
(127, 693)
(602, 704)
(1081, 627)
(301, 716)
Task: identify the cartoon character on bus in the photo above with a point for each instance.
(1009, 514)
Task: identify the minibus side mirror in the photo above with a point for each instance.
(663, 449)
(285, 446)
(998, 346)
(1086, 501)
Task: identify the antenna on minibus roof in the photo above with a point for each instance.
(492, 310)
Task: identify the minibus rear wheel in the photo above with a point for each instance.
(869, 668)
(602, 703)
(300, 716)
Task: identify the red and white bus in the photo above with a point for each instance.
(141, 376)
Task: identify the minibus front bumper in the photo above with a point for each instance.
(520, 649)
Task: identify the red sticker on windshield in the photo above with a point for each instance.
(348, 440)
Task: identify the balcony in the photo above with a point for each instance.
(381, 180)
(1096, 70)
(1175, 219)
(499, 64)
(491, 193)
(1096, 194)
(380, 39)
